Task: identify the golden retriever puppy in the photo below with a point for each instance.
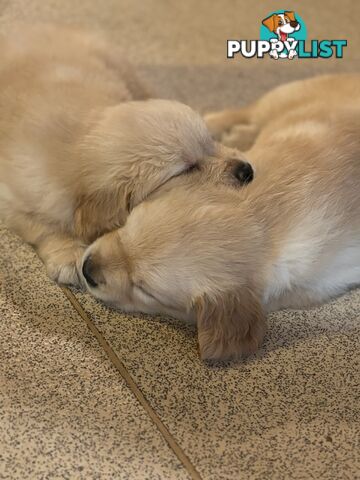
(223, 258)
(77, 153)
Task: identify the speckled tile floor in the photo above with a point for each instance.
(90, 393)
(65, 412)
(292, 411)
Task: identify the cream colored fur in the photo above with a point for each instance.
(77, 154)
(291, 238)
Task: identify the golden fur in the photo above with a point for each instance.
(77, 154)
(224, 258)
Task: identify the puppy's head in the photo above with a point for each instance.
(190, 254)
(134, 149)
(282, 24)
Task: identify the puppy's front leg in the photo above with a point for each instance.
(61, 255)
(59, 251)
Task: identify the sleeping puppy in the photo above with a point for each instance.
(77, 154)
(224, 258)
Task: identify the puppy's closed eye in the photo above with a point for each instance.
(195, 167)
(144, 292)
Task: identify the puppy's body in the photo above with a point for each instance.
(50, 95)
(76, 153)
(289, 239)
(53, 88)
(306, 144)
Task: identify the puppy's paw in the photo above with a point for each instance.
(232, 128)
(241, 137)
(218, 123)
(62, 267)
(63, 274)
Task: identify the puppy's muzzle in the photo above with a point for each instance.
(243, 172)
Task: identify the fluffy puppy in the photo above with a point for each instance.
(223, 258)
(77, 154)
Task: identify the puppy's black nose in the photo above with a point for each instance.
(244, 172)
(294, 23)
(88, 272)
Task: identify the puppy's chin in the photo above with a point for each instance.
(138, 305)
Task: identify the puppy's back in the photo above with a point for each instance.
(53, 82)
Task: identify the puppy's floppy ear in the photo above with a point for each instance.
(99, 213)
(270, 22)
(229, 325)
(291, 15)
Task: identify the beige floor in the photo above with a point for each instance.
(88, 393)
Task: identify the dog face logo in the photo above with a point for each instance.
(282, 25)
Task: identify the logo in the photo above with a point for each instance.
(283, 31)
(283, 36)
